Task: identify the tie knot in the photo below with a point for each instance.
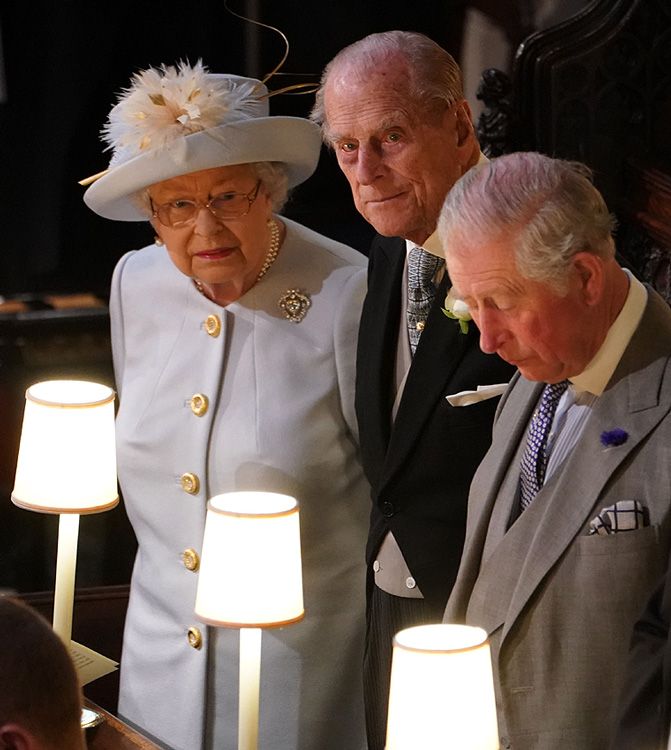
(553, 392)
(422, 267)
(535, 458)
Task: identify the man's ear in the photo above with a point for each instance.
(590, 272)
(466, 148)
(16, 737)
(464, 127)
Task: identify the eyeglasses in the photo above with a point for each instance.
(181, 212)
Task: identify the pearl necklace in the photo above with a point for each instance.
(270, 258)
(273, 250)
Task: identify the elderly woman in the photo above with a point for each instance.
(234, 341)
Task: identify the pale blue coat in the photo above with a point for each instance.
(280, 417)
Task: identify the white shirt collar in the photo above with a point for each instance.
(594, 378)
(432, 245)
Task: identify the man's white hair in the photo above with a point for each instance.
(549, 207)
(434, 75)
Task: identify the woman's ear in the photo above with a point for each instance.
(155, 225)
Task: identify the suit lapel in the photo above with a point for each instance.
(499, 576)
(440, 350)
(494, 482)
(377, 347)
(487, 522)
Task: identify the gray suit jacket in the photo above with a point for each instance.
(560, 605)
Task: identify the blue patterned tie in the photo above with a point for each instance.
(535, 460)
(422, 268)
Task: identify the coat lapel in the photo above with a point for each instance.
(494, 471)
(440, 350)
(377, 348)
(489, 483)
(498, 579)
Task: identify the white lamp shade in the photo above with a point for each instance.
(442, 690)
(250, 572)
(67, 454)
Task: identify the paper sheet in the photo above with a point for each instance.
(89, 664)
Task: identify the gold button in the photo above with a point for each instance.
(194, 637)
(190, 483)
(190, 559)
(199, 404)
(420, 325)
(213, 326)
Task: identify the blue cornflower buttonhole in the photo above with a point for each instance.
(613, 438)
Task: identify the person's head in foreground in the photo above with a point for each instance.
(198, 156)
(529, 248)
(40, 699)
(392, 107)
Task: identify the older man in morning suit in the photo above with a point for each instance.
(568, 517)
(392, 108)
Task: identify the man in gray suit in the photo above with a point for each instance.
(568, 516)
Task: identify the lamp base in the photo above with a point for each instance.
(91, 718)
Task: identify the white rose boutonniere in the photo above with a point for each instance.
(457, 309)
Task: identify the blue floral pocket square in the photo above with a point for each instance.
(625, 515)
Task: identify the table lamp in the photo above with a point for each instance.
(442, 690)
(67, 465)
(250, 578)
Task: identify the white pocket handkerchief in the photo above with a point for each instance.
(483, 392)
(625, 515)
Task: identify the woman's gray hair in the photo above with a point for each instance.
(273, 176)
(434, 74)
(274, 181)
(548, 207)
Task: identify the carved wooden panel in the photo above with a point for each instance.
(597, 88)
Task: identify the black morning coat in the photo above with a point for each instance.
(420, 468)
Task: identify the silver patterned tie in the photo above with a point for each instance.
(422, 268)
(535, 459)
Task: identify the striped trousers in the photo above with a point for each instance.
(387, 614)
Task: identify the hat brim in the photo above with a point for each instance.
(294, 141)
